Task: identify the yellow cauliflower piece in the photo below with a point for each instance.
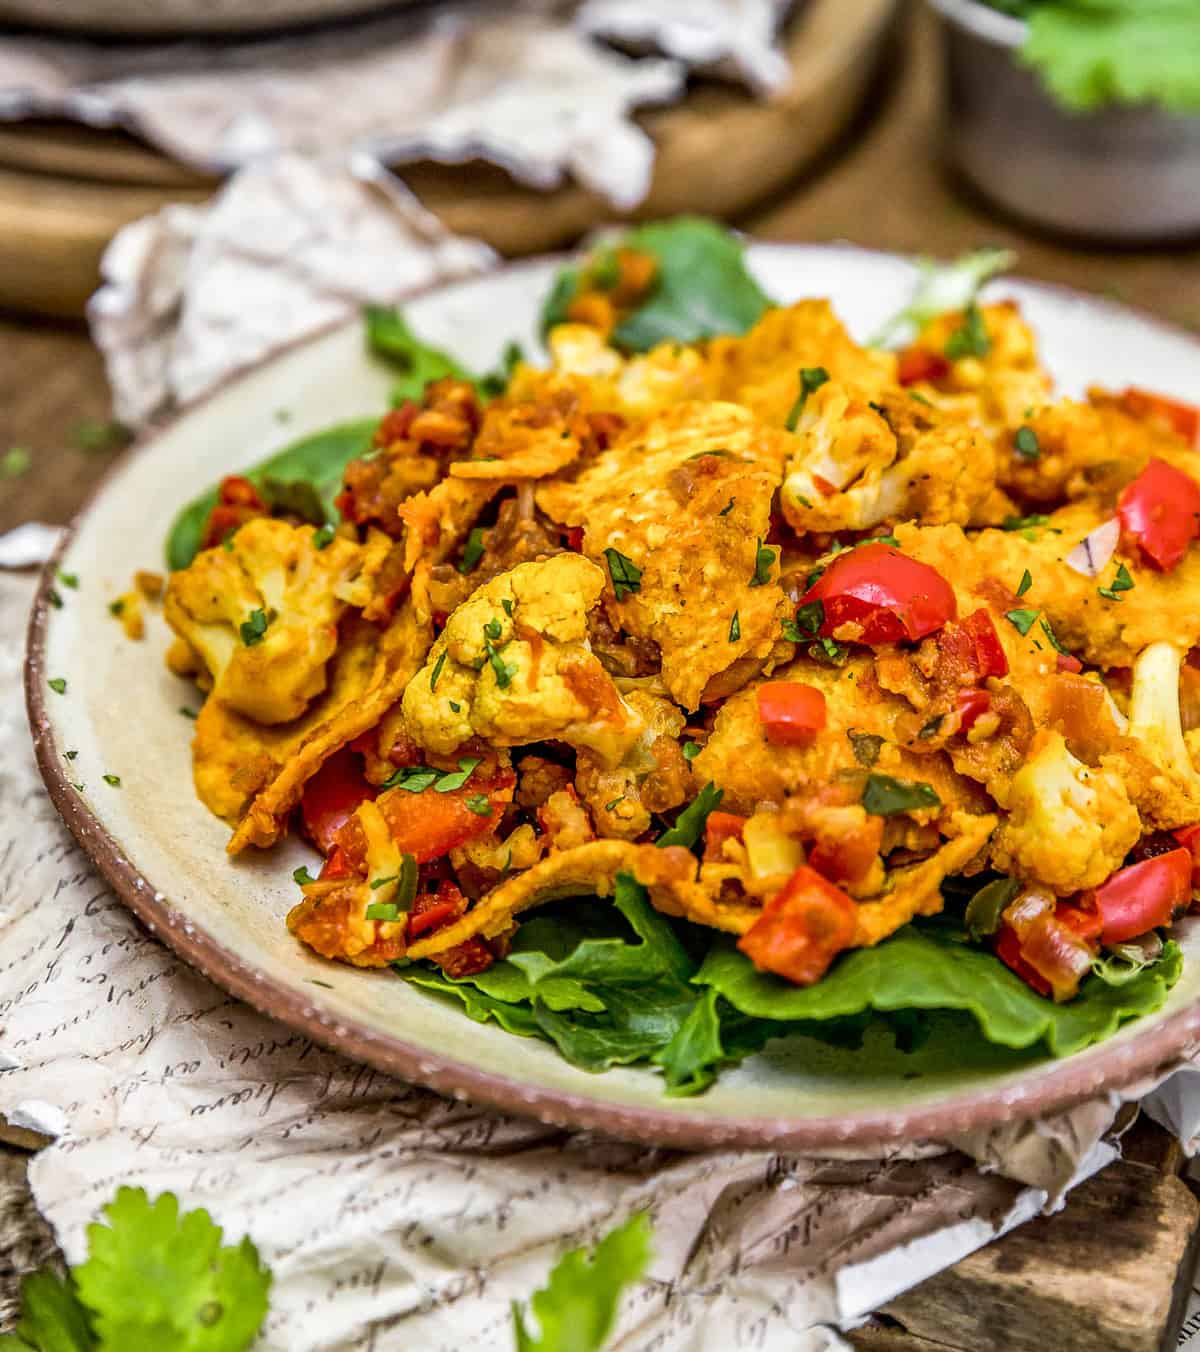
(1068, 826)
(889, 457)
(513, 666)
(761, 369)
(1154, 758)
(262, 614)
(686, 499)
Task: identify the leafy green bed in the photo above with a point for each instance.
(616, 984)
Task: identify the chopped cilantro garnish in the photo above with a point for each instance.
(735, 628)
(970, 339)
(411, 778)
(437, 670)
(454, 704)
(885, 796)
(827, 650)
(58, 684)
(507, 606)
(15, 462)
(626, 575)
(1021, 620)
(1025, 583)
(810, 617)
(302, 876)
(377, 883)
(457, 778)
(1023, 522)
(608, 807)
(690, 751)
(1121, 583)
(253, 629)
(764, 558)
(54, 598)
(69, 580)
(382, 910)
(188, 713)
(1054, 643)
(114, 780)
(803, 501)
(920, 398)
(479, 804)
(473, 551)
(727, 508)
(814, 577)
(323, 536)
(1026, 443)
(116, 607)
(811, 378)
(504, 671)
(493, 629)
(931, 728)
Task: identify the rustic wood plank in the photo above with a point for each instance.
(1109, 1273)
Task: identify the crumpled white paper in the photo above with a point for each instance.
(395, 1219)
(527, 86)
(289, 246)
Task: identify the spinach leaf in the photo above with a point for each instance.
(316, 461)
(390, 338)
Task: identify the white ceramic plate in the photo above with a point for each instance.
(166, 855)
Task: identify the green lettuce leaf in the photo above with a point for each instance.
(317, 462)
(931, 967)
(703, 287)
(576, 1309)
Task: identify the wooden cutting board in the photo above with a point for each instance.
(66, 190)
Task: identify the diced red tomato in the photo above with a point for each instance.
(338, 864)
(1068, 662)
(1183, 419)
(990, 658)
(847, 857)
(331, 796)
(1160, 512)
(919, 363)
(891, 596)
(238, 501)
(970, 705)
(790, 712)
(1142, 896)
(720, 827)
(801, 929)
(1189, 838)
(429, 824)
(432, 910)
(1087, 924)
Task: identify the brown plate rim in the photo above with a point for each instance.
(1059, 1085)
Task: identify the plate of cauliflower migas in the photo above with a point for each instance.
(714, 692)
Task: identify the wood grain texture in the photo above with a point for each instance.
(1106, 1274)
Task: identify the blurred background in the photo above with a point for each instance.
(187, 184)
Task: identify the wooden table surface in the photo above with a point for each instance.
(884, 188)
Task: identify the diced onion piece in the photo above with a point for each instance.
(770, 850)
(1094, 552)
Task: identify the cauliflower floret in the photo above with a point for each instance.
(1155, 760)
(262, 613)
(1068, 826)
(514, 666)
(858, 462)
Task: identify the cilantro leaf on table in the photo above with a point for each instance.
(931, 966)
(702, 287)
(154, 1278)
(576, 1310)
(52, 1319)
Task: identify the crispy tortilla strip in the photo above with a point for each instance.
(916, 889)
(587, 870)
(686, 498)
(394, 657)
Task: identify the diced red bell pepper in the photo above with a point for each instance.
(790, 712)
(432, 910)
(1089, 925)
(331, 797)
(1068, 662)
(1183, 419)
(1189, 838)
(720, 827)
(990, 657)
(1142, 896)
(970, 705)
(1160, 512)
(848, 855)
(338, 864)
(801, 929)
(430, 824)
(891, 596)
(919, 363)
(1008, 950)
(238, 501)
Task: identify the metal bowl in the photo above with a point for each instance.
(1122, 174)
(169, 17)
